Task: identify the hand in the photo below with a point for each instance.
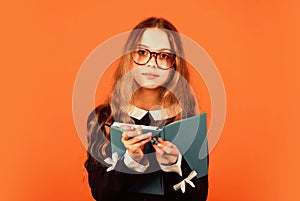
(134, 141)
(166, 152)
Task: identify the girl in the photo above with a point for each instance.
(151, 88)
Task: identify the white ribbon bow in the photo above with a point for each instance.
(111, 161)
(181, 185)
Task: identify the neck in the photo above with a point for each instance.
(147, 98)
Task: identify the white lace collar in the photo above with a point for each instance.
(157, 115)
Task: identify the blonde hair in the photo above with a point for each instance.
(175, 91)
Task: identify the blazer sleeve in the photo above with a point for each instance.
(199, 193)
(105, 185)
(110, 185)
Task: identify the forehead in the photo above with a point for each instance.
(155, 39)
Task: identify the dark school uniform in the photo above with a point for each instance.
(114, 185)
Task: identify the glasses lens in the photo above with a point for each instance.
(141, 56)
(165, 60)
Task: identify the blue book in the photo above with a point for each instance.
(189, 135)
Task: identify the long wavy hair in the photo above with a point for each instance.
(175, 91)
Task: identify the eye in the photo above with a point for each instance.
(142, 52)
(164, 55)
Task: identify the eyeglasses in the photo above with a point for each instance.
(164, 60)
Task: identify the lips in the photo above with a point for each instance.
(150, 75)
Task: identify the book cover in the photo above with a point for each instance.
(189, 135)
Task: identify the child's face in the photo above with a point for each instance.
(149, 75)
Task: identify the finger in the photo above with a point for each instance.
(158, 150)
(126, 127)
(142, 142)
(169, 147)
(164, 158)
(166, 143)
(162, 149)
(131, 134)
(138, 130)
(137, 146)
(124, 140)
(173, 152)
(169, 150)
(138, 138)
(160, 140)
(124, 137)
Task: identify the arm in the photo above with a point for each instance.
(199, 193)
(177, 171)
(106, 185)
(109, 185)
(103, 183)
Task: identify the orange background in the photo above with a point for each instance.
(254, 44)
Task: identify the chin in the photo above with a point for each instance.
(149, 85)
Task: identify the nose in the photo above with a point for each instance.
(152, 61)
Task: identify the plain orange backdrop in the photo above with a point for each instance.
(254, 44)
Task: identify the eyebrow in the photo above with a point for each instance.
(145, 46)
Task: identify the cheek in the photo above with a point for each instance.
(165, 77)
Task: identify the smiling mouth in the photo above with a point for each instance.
(150, 75)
